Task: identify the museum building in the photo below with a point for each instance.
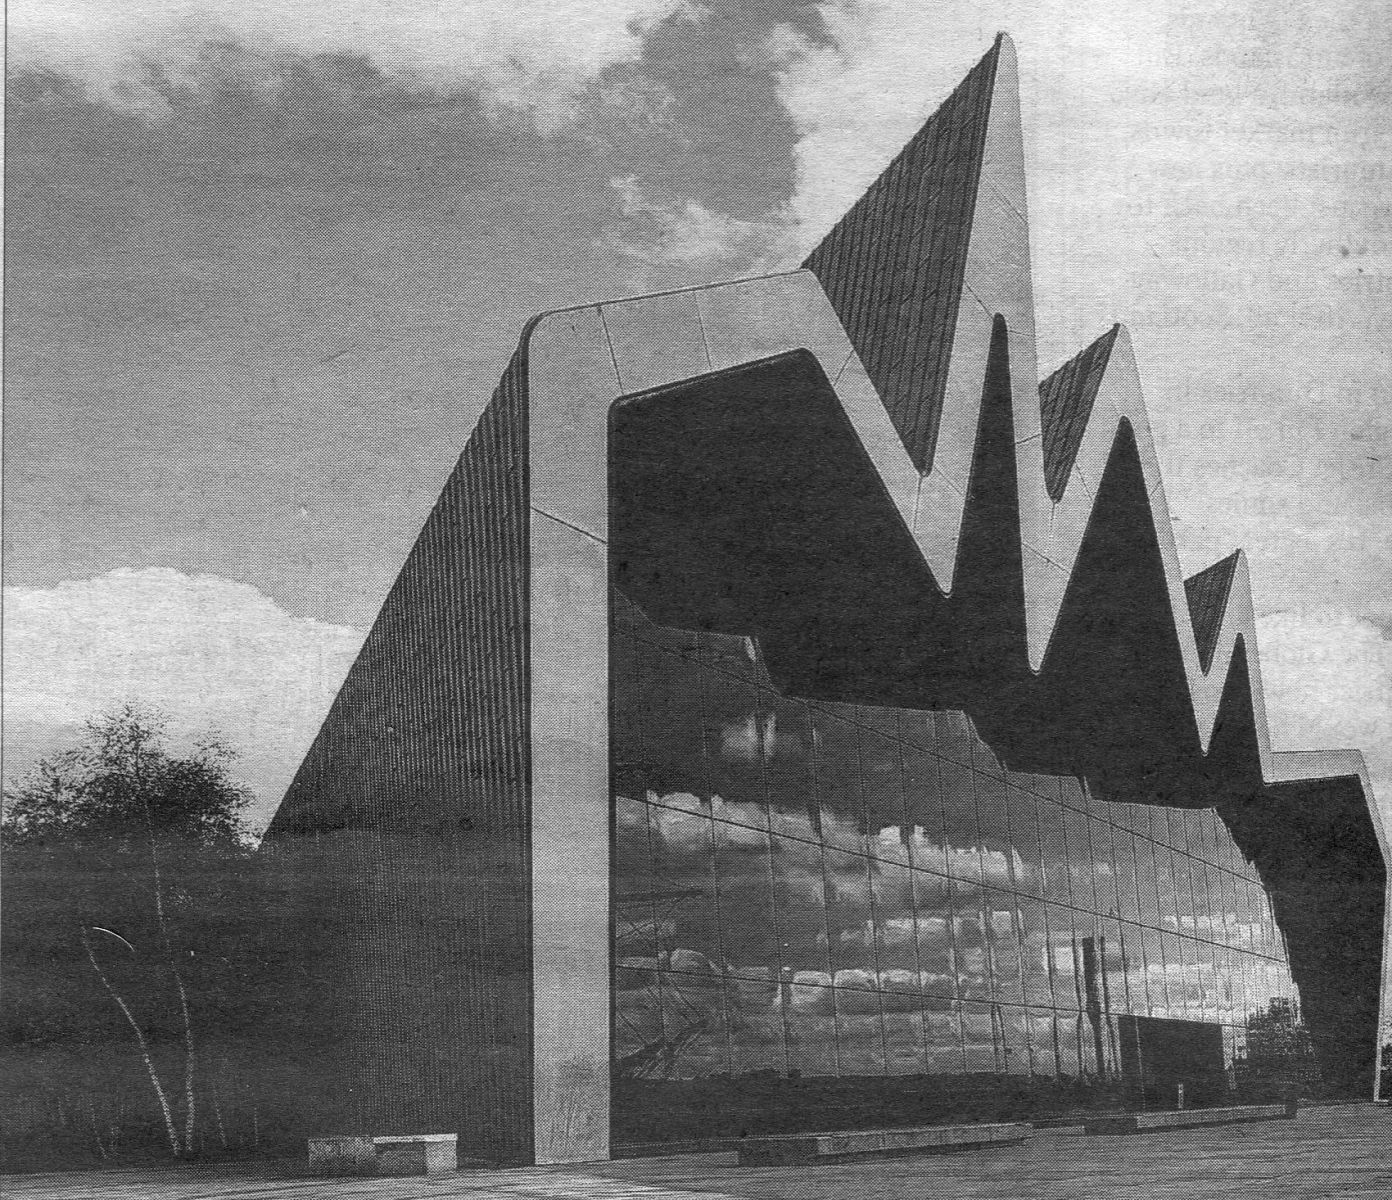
(792, 715)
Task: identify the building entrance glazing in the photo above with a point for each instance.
(808, 889)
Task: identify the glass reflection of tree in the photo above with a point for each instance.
(1279, 1049)
(644, 919)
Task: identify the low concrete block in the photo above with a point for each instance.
(1074, 1122)
(342, 1155)
(1188, 1118)
(403, 1154)
(862, 1143)
(417, 1154)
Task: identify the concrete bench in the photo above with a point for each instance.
(1188, 1118)
(864, 1143)
(402, 1154)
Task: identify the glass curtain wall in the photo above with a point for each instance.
(816, 889)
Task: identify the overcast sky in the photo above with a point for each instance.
(266, 261)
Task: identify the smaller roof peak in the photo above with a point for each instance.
(1065, 405)
(1207, 593)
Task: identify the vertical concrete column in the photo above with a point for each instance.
(570, 843)
(572, 383)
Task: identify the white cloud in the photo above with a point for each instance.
(685, 231)
(1328, 684)
(535, 56)
(212, 653)
(885, 66)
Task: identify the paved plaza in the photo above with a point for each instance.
(1343, 1150)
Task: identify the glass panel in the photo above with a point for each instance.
(849, 925)
(1228, 854)
(1024, 840)
(992, 818)
(788, 768)
(1043, 1033)
(942, 1034)
(683, 888)
(1227, 884)
(666, 756)
(1128, 897)
(1194, 973)
(1165, 886)
(1145, 881)
(1205, 845)
(811, 1031)
(1239, 1037)
(924, 812)
(882, 784)
(1065, 956)
(959, 819)
(1054, 850)
(744, 734)
(636, 922)
(1229, 1051)
(953, 736)
(933, 921)
(1244, 905)
(696, 1025)
(1081, 858)
(1271, 936)
(1003, 932)
(748, 933)
(838, 780)
(903, 1031)
(1092, 1043)
(1035, 953)
(1203, 956)
(1152, 964)
(980, 1038)
(1069, 1044)
(1013, 1022)
(1206, 914)
(637, 1020)
(894, 921)
(1186, 909)
(756, 1026)
(1173, 958)
(859, 1032)
(800, 905)
(1225, 985)
(1104, 871)
(1121, 816)
(970, 950)
(1242, 988)
(1111, 968)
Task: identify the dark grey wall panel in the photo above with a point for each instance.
(1065, 404)
(408, 823)
(893, 266)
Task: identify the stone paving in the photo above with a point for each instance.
(1343, 1151)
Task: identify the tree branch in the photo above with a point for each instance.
(140, 1040)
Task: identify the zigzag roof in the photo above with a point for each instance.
(1029, 572)
(1065, 439)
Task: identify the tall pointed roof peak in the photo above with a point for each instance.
(894, 266)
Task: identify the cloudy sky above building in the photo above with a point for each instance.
(266, 260)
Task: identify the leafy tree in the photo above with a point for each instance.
(115, 852)
(122, 787)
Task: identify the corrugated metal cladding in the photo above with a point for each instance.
(1065, 404)
(414, 799)
(893, 266)
(1207, 594)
